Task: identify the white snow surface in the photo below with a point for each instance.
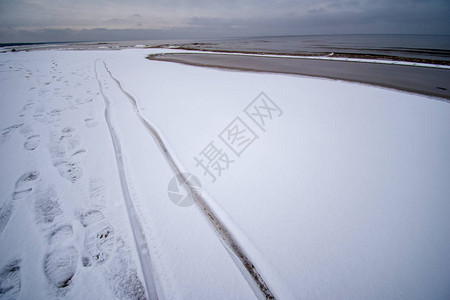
(345, 195)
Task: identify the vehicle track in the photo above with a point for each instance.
(139, 238)
(227, 238)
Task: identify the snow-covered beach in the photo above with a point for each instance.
(330, 189)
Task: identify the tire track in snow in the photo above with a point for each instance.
(231, 244)
(139, 238)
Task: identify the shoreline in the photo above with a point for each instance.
(342, 55)
(433, 82)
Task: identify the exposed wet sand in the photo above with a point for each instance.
(422, 80)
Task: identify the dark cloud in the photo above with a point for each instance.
(33, 21)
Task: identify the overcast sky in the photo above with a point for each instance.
(88, 20)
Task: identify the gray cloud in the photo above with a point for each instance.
(43, 20)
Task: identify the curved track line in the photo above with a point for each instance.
(139, 238)
(228, 240)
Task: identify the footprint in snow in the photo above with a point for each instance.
(40, 115)
(5, 213)
(61, 260)
(26, 130)
(10, 282)
(55, 112)
(60, 266)
(99, 237)
(69, 170)
(32, 142)
(78, 154)
(67, 132)
(7, 132)
(65, 152)
(90, 123)
(60, 235)
(122, 269)
(91, 217)
(23, 187)
(28, 106)
(103, 248)
(46, 206)
(26, 184)
(97, 192)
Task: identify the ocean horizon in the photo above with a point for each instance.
(416, 46)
